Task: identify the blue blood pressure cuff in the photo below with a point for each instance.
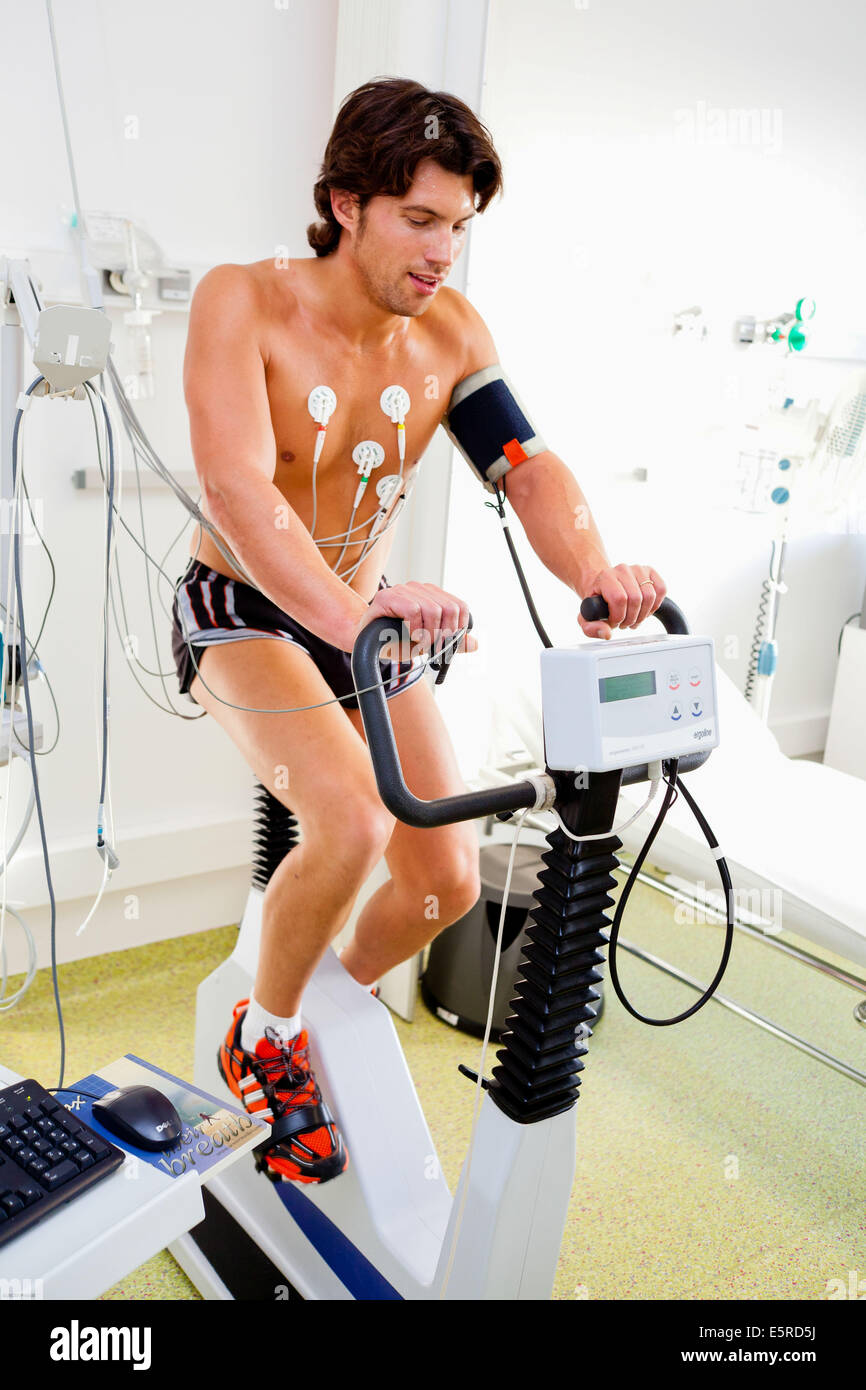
(487, 423)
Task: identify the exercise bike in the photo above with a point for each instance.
(388, 1227)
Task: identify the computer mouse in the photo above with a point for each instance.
(141, 1115)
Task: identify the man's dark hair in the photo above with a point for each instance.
(382, 132)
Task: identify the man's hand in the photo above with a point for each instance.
(631, 592)
(431, 615)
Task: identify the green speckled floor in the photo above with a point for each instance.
(714, 1161)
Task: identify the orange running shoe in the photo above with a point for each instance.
(276, 1083)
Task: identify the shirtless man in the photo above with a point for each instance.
(368, 311)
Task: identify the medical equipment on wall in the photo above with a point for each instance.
(70, 345)
(837, 469)
(690, 324)
(134, 268)
(787, 329)
(797, 462)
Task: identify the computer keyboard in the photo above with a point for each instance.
(47, 1156)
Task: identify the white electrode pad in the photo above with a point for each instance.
(368, 455)
(321, 403)
(628, 701)
(388, 487)
(395, 402)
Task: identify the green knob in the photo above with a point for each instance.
(805, 309)
(796, 339)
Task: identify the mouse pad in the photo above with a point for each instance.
(213, 1131)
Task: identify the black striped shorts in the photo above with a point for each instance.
(209, 607)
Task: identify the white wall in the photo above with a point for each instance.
(632, 192)
(233, 106)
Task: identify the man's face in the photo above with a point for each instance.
(405, 247)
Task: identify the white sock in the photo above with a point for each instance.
(257, 1019)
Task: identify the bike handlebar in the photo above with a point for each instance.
(594, 609)
(489, 801)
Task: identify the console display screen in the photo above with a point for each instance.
(626, 687)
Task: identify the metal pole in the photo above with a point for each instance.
(800, 1043)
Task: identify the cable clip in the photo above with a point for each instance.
(368, 455)
(104, 849)
(441, 662)
(107, 853)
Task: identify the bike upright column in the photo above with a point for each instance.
(540, 1060)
